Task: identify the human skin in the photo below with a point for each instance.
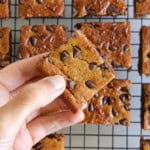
(30, 107)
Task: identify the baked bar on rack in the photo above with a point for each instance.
(41, 8)
(113, 41)
(145, 144)
(51, 142)
(145, 49)
(83, 8)
(110, 105)
(5, 57)
(146, 106)
(142, 7)
(4, 8)
(41, 38)
(83, 68)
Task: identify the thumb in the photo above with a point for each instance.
(30, 98)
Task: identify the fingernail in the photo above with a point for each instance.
(57, 81)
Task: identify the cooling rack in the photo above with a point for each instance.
(93, 137)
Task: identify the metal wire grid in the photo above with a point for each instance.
(93, 137)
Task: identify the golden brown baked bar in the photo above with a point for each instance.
(41, 8)
(142, 7)
(113, 41)
(145, 144)
(145, 49)
(111, 105)
(146, 106)
(51, 142)
(4, 8)
(83, 8)
(85, 71)
(41, 38)
(5, 58)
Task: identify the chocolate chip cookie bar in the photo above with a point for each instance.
(41, 38)
(145, 50)
(146, 106)
(5, 58)
(110, 105)
(4, 8)
(41, 8)
(112, 40)
(51, 142)
(142, 7)
(83, 68)
(98, 8)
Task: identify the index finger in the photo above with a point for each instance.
(16, 74)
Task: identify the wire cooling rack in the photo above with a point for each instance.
(92, 137)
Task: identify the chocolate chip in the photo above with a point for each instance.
(78, 26)
(115, 112)
(104, 100)
(111, 85)
(22, 1)
(110, 100)
(125, 48)
(34, 29)
(127, 107)
(90, 84)
(2, 1)
(38, 146)
(125, 97)
(113, 48)
(92, 66)
(115, 64)
(112, 10)
(51, 136)
(123, 122)
(71, 84)
(96, 95)
(107, 100)
(64, 55)
(76, 51)
(148, 54)
(124, 89)
(32, 41)
(40, 1)
(90, 107)
(1, 35)
(50, 28)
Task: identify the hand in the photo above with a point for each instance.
(28, 111)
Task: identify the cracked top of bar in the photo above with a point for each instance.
(82, 8)
(111, 105)
(38, 39)
(112, 40)
(41, 8)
